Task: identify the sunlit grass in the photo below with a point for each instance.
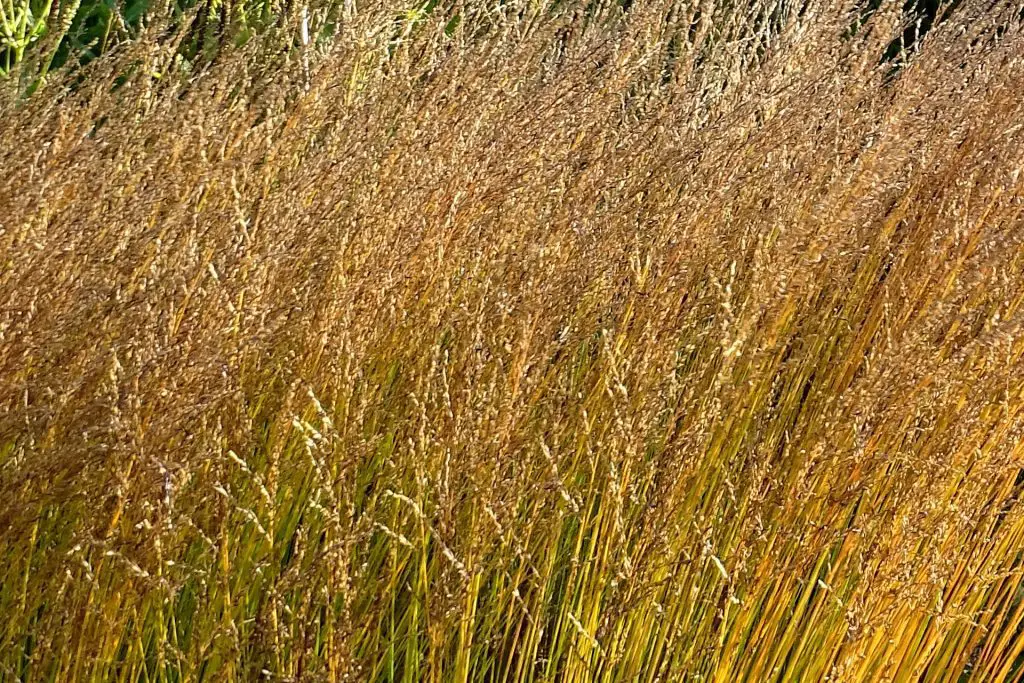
(546, 347)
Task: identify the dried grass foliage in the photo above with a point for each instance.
(639, 346)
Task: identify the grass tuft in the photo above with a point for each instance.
(526, 342)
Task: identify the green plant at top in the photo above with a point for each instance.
(21, 25)
(48, 34)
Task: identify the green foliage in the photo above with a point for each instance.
(22, 23)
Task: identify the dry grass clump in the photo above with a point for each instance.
(564, 344)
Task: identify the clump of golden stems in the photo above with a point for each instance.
(564, 345)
